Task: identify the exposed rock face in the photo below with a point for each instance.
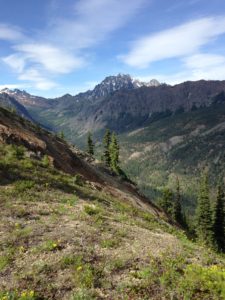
(112, 84)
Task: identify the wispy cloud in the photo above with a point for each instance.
(62, 47)
(53, 59)
(195, 67)
(180, 41)
(10, 33)
(15, 61)
(41, 82)
(93, 20)
(204, 61)
(208, 66)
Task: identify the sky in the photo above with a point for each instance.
(53, 47)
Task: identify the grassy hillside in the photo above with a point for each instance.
(179, 145)
(61, 238)
(85, 234)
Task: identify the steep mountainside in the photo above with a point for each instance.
(26, 99)
(11, 103)
(71, 230)
(180, 145)
(64, 157)
(108, 86)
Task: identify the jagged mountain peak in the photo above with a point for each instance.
(25, 98)
(127, 78)
(118, 82)
(152, 83)
(13, 92)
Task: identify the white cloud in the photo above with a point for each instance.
(179, 41)
(208, 66)
(196, 67)
(203, 61)
(31, 75)
(37, 79)
(45, 85)
(18, 62)
(92, 21)
(10, 33)
(49, 57)
(15, 61)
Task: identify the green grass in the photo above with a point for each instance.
(110, 243)
(51, 245)
(92, 210)
(178, 279)
(64, 240)
(4, 262)
(25, 295)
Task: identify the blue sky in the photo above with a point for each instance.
(53, 47)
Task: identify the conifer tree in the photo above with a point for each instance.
(114, 154)
(177, 209)
(90, 144)
(204, 228)
(219, 220)
(106, 144)
(167, 201)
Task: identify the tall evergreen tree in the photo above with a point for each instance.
(204, 228)
(90, 144)
(219, 220)
(167, 201)
(177, 209)
(114, 153)
(106, 144)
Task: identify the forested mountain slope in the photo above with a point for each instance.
(181, 145)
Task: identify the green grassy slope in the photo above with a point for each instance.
(63, 238)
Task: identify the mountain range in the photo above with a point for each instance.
(164, 131)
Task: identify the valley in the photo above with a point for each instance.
(164, 131)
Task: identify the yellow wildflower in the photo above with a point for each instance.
(31, 293)
(24, 294)
(21, 249)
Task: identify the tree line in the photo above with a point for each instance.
(209, 227)
(111, 150)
